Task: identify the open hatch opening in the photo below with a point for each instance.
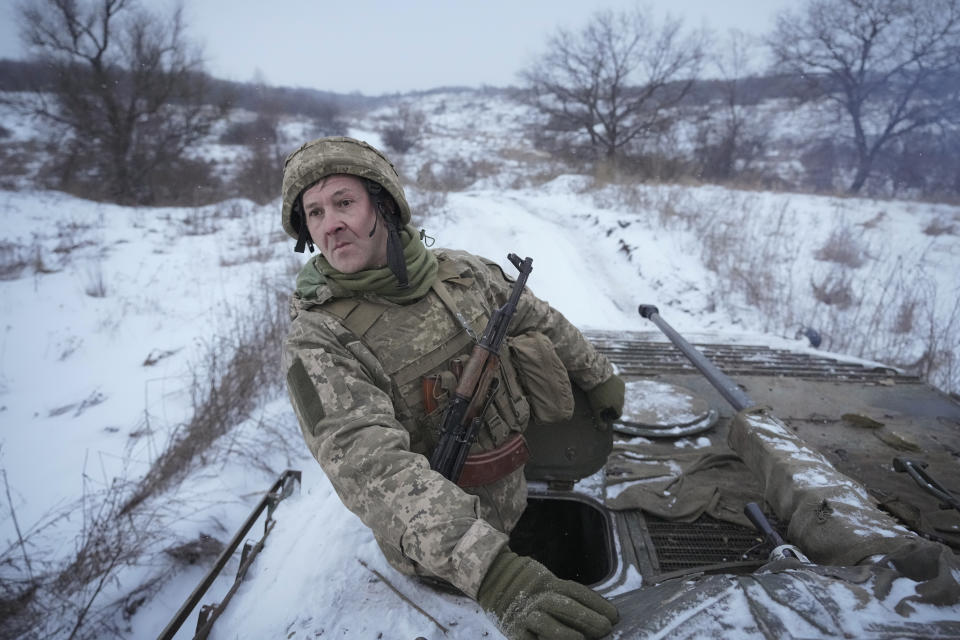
(570, 535)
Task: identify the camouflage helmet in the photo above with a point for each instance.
(328, 156)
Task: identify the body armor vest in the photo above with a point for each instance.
(432, 337)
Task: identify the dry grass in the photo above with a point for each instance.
(122, 530)
(201, 221)
(96, 286)
(835, 290)
(14, 258)
(42, 598)
(455, 174)
(940, 227)
(843, 247)
(236, 372)
(247, 255)
(888, 312)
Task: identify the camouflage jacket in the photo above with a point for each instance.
(359, 402)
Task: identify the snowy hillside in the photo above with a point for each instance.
(119, 323)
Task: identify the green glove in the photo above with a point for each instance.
(606, 399)
(531, 603)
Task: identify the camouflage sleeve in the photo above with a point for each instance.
(341, 398)
(586, 366)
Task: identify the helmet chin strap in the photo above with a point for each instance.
(303, 237)
(395, 258)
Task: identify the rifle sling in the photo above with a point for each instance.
(444, 294)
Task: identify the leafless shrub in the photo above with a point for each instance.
(156, 355)
(673, 212)
(834, 290)
(68, 347)
(201, 221)
(18, 160)
(405, 131)
(236, 371)
(906, 316)
(259, 176)
(236, 210)
(633, 197)
(940, 363)
(96, 286)
(123, 529)
(203, 548)
(39, 264)
(73, 235)
(842, 247)
(874, 222)
(14, 258)
(267, 438)
(753, 253)
(248, 132)
(248, 254)
(891, 312)
(43, 598)
(940, 227)
(256, 240)
(455, 174)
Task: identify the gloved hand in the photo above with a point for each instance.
(531, 603)
(606, 399)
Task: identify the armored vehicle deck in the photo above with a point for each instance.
(656, 524)
(667, 511)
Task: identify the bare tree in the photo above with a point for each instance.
(616, 80)
(128, 95)
(262, 167)
(889, 65)
(730, 139)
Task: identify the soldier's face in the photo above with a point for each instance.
(340, 219)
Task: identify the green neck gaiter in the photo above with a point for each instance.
(421, 269)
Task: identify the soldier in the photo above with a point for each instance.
(375, 314)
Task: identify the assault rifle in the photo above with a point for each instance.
(462, 416)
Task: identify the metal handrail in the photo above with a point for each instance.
(285, 485)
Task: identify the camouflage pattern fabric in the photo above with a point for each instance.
(360, 407)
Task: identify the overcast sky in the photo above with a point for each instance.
(378, 46)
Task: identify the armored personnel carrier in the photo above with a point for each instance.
(852, 469)
(855, 464)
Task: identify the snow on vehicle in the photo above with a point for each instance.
(855, 464)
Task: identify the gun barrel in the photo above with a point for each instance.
(726, 386)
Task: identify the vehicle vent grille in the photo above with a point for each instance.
(641, 354)
(707, 541)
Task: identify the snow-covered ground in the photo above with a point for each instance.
(109, 312)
